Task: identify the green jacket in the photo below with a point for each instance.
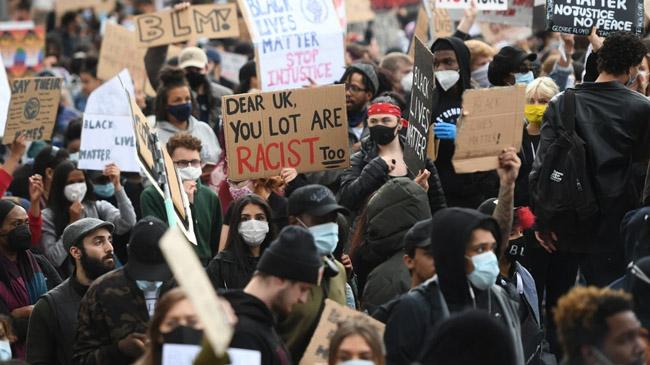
(206, 213)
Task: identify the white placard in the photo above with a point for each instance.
(480, 4)
(244, 357)
(179, 354)
(230, 65)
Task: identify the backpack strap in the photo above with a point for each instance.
(569, 110)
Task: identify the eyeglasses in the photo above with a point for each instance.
(181, 164)
(354, 88)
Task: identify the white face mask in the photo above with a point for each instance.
(480, 75)
(75, 192)
(5, 350)
(447, 78)
(253, 231)
(190, 173)
(74, 156)
(407, 82)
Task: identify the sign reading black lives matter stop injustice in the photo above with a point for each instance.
(422, 98)
(579, 16)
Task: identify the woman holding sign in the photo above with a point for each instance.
(382, 158)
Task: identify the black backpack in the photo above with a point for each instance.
(562, 194)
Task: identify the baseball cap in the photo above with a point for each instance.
(513, 57)
(192, 57)
(419, 236)
(74, 233)
(315, 200)
(146, 260)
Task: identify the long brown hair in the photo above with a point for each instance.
(357, 327)
(152, 354)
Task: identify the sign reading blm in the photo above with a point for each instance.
(305, 129)
(422, 95)
(579, 16)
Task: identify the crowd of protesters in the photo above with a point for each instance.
(472, 268)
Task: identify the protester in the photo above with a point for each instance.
(417, 253)
(115, 311)
(173, 110)
(45, 162)
(73, 199)
(185, 151)
(7, 337)
(361, 86)
(248, 81)
(24, 277)
(381, 158)
(481, 54)
(53, 323)
(511, 66)
(234, 266)
(598, 326)
(286, 274)
(356, 342)
(400, 67)
(89, 82)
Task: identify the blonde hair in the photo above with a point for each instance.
(480, 49)
(541, 87)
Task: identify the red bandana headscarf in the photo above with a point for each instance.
(387, 108)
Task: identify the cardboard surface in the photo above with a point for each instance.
(295, 41)
(192, 278)
(5, 96)
(100, 6)
(422, 99)
(493, 119)
(22, 47)
(333, 313)
(32, 109)
(119, 50)
(443, 26)
(480, 4)
(303, 128)
(170, 26)
(358, 11)
(579, 16)
(421, 30)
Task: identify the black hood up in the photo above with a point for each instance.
(451, 229)
(246, 305)
(463, 56)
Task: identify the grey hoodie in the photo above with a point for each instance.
(210, 148)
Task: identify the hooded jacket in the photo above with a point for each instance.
(210, 148)
(467, 190)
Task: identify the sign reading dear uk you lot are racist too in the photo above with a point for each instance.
(32, 109)
(579, 16)
(303, 128)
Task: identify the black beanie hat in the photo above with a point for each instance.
(5, 207)
(293, 255)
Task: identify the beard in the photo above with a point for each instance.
(280, 306)
(95, 268)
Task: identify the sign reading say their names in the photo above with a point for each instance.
(492, 120)
(303, 128)
(579, 16)
(172, 26)
(333, 314)
(32, 109)
(480, 4)
(422, 98)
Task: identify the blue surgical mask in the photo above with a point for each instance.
(104, 190)
(526, 78)
(326, 236)
(480, 75)
(146, 285)
(180, 111)
(5, 350)
(486, 270)
(357, 362)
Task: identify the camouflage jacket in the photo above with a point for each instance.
(112, 308)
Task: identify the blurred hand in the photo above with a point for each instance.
(547, 241)
(35, 188)
(288, 174)
(347, 264)
(75, 211)
(113, 172)
(22, 312)
(509, 164)
(423, 179)
(182, 6)
(390, 162)
(18, 147)
(595, 40)
(132, 345)
(190, 188)
(445, 131)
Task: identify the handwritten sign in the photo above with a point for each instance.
(480, 4)
(358, 11)
(22, 47)
(99, 6)
(304, 128)
(192, 278)
(295, 41)
(5, 96)
(230, 65)
(579, 16)
(119, 51)
(32, 109)
(333, 314)
(492, 120)
(107, 131)
(422, 99)
(170, 26)
(519, 13)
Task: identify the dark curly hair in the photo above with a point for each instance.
(620, 51)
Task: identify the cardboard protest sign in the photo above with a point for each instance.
(333, 314)
(304, 128)
(442, 24)
(579, 16)
(358, 11)
(99, 6)
(519, 13)
(339, 7)
(107, 130)
(22, 47)
(492, 120)
(192, 278)
(480, 4)
(5, 96)
(422, 100)
(295, 41)
(230, 65)
(171, 26)
(32, 109)
(421, 30)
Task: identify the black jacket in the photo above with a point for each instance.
(527, 153)
(613, 122)
(255, 329)
(226, 273)
(368, 172)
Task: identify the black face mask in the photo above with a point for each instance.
(382, 135)
(183, 335)
(195, 79)
(20, 238)
(516, 248)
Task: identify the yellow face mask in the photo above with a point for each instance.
(534, 113)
